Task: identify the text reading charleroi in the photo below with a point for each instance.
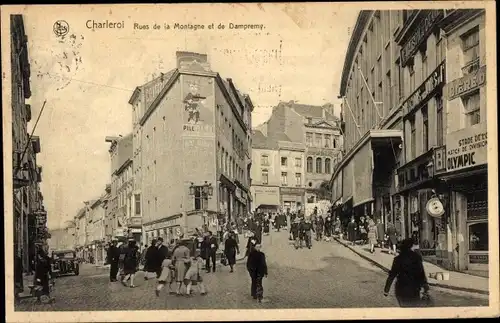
(106, 24)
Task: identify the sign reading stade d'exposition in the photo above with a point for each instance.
(467, 148)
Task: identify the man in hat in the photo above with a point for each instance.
(306, 231)
(113, 256)
(257, 268)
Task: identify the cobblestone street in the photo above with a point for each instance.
(327, 276)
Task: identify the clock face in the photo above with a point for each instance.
(435, 207)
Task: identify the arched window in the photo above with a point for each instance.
(319, 167)
(309, 164)
(328, 166)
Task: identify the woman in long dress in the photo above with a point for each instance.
(181, 259)
(231, 249)
(352, 229)
(372, 235)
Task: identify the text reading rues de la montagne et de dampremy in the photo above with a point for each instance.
(106, 24)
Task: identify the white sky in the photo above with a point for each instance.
(87, 100)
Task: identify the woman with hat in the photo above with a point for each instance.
(408, 270)
(231, 248)
(130, 263)
(180, 259)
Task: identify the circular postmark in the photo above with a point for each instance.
(61, 28)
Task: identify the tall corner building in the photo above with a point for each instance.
(190, 127)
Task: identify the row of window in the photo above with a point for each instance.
(229, 165)
(320, 168)
(226, 128)
(321, 140)
(284, 178)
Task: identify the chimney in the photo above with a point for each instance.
(323, 113)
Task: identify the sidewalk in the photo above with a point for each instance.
(457, 280)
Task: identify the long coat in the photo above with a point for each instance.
(352, 228)
(256, 264)
(408, 270)
(230, 250)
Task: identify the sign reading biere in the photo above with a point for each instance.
(466, 84)
(467, 148)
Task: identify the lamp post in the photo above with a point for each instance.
(202, 193)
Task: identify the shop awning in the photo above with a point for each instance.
(357, 167)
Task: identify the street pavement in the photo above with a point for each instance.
(327, 276)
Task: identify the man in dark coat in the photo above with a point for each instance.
(150, 265)
(211, 246)
(113, 256)
(408, 270)
(257, 268)
(352, 230)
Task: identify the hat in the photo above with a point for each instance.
(159, 239)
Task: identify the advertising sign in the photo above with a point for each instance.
(198, 101)
(466, 84)
(434, 207)
(467, 148)
(152, 89)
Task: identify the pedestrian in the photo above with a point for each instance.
(306, 230)
(231, 249)
(180, 259)
(257, 268)
(210, 248)
(337, 227)
(43, 274)
(130, 263)
(408, 270)
(352, 229)
(113, 257)
(150, 265)
(160, 254)
(362, 229)
(167, 276)
(328, 227)
(392, 234)
(372, 235)
(295, 228)
(194, 274)
(266, 224)
(320, 226)
(380, 233)
(252, 241)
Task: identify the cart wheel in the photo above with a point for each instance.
(77, 271)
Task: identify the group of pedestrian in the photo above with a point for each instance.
(367, 231)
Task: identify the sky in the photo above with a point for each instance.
(88, 76)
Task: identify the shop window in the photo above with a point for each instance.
(478, 236)
(472, 108)
(309, 164)
(319, 168)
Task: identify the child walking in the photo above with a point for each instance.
(166, 277)
(193, 275)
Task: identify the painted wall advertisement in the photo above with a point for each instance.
(467, 148)
(198, 100)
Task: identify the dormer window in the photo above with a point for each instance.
(309, 120)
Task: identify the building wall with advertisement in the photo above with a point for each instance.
(465, 166)
(182, 122)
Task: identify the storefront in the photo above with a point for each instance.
(467, 178)
(266, 198)
(167, 228)
(292, 198)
